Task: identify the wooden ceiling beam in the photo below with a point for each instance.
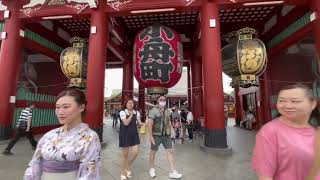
(297, 36)
(46, 33)
(154, 4)
(116, 10)
(284, 21)
(118, 32)
(37, 48)
(117, 51)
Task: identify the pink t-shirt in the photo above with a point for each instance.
(283, 152)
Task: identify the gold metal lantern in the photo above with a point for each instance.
(73, 62)
(245, 58)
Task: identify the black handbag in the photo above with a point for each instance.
(22, 125)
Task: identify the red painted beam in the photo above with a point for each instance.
(35, 47)
(232, 2)
(291, 40)
(1, 16)
(180, 5)
(38, 12)
(113, 66)
(116, 50)
(118, 33)
(154, 4)
(42, 105)
(46, 33)
(188, 54)
(284, 21)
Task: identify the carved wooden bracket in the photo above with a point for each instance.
(118, 4)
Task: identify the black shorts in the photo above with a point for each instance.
(164, 140)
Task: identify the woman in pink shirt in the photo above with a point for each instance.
(285, 147)
(316, 164)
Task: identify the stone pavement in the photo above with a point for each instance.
(193, 163)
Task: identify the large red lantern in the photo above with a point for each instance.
(158, 56)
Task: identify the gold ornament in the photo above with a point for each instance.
(71, 59)
(73, 62)
(245, 58)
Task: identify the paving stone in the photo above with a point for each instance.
(193, 163)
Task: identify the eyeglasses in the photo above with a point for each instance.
(164, 100)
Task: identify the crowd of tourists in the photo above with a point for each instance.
(286, 148)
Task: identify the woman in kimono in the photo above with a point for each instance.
(70, 152)
(129, 137)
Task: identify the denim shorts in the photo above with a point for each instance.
(164, 140)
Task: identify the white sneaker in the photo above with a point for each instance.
(175, 175)
(122, 177)
(128, 174)
(152, 172)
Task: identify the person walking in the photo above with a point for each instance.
(159, 126)
(190, 125)
(114, 117)
(129, 137)
(177, 124)
(24, 125)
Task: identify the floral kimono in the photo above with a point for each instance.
(61, 151)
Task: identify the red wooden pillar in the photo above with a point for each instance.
(97, 56)
(265, 98)
(10, 57)
(189, 88)
(127, 81)
(141, 102)
(239, 106)
(315, 6)
(215, 135)
(196, 90)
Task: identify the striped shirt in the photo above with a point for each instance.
(24, 115)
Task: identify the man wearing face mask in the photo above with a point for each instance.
(159, 126)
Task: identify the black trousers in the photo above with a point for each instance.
(20, 133)
(190, 132)
(115, 122)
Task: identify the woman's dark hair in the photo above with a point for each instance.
(126, 102)
(78, 96)
(315, 115)
(306, 89)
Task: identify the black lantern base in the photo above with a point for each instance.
(77, 83)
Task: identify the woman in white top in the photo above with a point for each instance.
(70, 152)
(128, 137)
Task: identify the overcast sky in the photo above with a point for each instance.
(113, 80)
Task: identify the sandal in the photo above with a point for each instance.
(128, 174)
